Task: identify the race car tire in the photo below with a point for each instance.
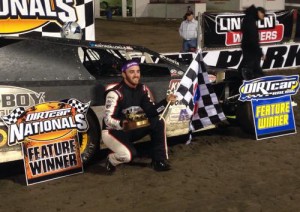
(90, 140)
(245, 118)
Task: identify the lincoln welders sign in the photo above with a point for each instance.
(224, 29)
(45, 18)
(271, 104)
(49, 136)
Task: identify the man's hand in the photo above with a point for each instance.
(171, 98)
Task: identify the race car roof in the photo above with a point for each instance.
(39, 59)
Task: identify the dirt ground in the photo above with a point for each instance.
(222, 170)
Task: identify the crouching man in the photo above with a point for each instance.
(130, 96)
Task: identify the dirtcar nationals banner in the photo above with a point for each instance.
(49, 136)
(271, 104)
(224, 29)
(45, 17)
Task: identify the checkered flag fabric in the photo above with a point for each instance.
(12, 118)
(196, 91)
(79, 106)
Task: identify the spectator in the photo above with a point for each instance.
(188, 31)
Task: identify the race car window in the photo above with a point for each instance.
(102, 62)
(108, 62)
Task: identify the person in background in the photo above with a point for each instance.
(252, 53)
(127, 96)
(188, 31)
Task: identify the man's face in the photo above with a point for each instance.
(260, 15)
(190, 17)
(132, 76)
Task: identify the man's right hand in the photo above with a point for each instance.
(171, 98)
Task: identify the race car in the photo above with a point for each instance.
(37, 70)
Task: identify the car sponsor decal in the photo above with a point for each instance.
(12, 97)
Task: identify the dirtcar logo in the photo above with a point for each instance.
(25, 15)
(270, 30)
(46, 122)
(268, 87)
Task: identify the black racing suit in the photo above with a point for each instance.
(250, 66)
(121, 99)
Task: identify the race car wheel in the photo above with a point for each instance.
(90, 140)
(245, 118)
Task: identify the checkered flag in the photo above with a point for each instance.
(196, 91)
(12, 118)
(79, 106)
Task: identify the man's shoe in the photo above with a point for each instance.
(109, 167)
(159, 165)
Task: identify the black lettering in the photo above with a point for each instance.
(30, 154)
(50, 164)
(22, 99)
(50, 149)
(44, 152)
(65, 147)
(293, 53)
(37, 98)
(8, 100)
(275, 54)
(57, 149)
(66, 161)
(35, 167)
(59, 162)
(228, 59)
(72, 159)
(72, 146)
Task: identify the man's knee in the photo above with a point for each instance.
(125, 155)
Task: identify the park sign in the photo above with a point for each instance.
(48, 133)
(271, 104)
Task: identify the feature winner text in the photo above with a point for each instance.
(273, 115)
(52, 157)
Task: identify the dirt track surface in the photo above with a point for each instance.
(222, 170)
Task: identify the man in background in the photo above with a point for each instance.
(188, 31)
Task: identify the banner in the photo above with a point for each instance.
(277, 56)
(271, 104)
(224, 29)
(45, 18)
(49, 136)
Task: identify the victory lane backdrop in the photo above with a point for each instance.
(49, 136)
